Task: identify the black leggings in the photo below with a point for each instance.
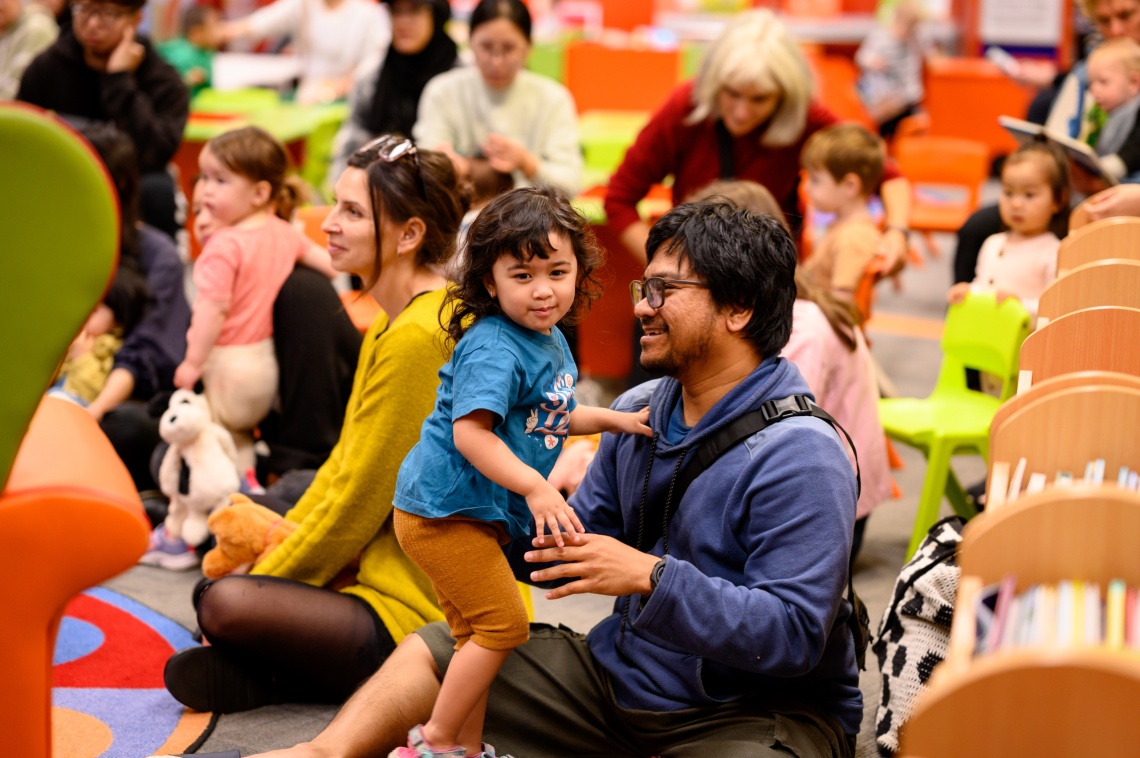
(317, 643)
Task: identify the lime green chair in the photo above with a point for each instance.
(954, 420)
(548, 59)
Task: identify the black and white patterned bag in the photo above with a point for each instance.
(914, 634)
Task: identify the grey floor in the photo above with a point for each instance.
(910, 363)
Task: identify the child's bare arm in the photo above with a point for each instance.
(317, 258)
(205, 326)
(493, 459)
(586, 419)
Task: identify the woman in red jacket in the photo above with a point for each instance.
(747, 115)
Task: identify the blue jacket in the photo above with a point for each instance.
(751, 602)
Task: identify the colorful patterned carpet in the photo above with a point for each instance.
(108, 699)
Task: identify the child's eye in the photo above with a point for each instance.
(522, 277)
(558, 273)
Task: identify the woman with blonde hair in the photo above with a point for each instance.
(746, 115)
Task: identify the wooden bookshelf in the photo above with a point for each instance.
(1112, 282)
(1117, 237)
(1103, 338)
(1073, 700)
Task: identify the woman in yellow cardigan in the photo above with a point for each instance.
(282, 634)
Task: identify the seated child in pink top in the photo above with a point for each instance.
(230, 342)
(844, 164)
(1022, 262)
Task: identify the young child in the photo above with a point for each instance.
(92, 354)
(192, 54)
(1022, 262)
(1114, 83)
(890, 66)
(844, 164)
(230, 342)
(477, 477)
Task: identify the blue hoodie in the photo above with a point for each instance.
(751, 602)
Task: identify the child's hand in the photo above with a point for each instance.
(1005, 295)
(958, 293)
(550, 509)
(186, 376)
(633, 423)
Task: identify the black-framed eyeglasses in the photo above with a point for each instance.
(101, 11)
(652, 290)
(391, 148)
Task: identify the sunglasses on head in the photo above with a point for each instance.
(390, 148)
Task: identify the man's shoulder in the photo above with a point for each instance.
(636, 398)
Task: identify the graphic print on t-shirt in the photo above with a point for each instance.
(552, 418)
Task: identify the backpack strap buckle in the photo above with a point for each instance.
(784, 407)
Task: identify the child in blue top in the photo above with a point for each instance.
(505, 405)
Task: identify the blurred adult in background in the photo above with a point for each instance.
(332, 37)
(101, 70)
(25, 32)
(523, 123)
(386, 97)
(747, 115)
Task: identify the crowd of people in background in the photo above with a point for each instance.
(403, 455)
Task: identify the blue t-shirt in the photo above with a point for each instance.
(527, 380)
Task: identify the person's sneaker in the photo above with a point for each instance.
(418, 748)
(209, 681)
(166, 552)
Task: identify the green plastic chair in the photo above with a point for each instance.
(954, 420)
(60, 229)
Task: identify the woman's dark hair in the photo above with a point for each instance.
(514, 11)
(117, 151)
(748, 261)
(519, 223)
(395, 192)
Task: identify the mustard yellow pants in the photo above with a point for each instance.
(472, 579)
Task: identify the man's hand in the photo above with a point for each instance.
(1084, 182)
(127, 55)
(603, 565)
(1121, 200)
(550, 509)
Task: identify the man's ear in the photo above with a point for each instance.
(412, 234)
(136, 18)
(736, 318)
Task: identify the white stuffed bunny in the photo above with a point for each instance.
(198, 472)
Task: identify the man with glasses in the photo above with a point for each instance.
(100, 70)
(729, 632)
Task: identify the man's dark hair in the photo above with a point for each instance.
(748, 261)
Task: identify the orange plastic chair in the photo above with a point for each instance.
(598, 76)
(946, 175)
(56, 466)
(310, 218)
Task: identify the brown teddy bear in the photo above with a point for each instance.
(246, 532)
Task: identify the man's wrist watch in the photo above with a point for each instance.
(655, 574)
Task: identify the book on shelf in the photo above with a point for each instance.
(1078, 152)
(1068, 614)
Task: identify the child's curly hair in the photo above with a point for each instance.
(519, 223)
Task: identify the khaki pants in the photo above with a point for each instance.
(241, 385)
(476, 589)
(552, 699)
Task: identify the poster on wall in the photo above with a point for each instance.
(1023, 23)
